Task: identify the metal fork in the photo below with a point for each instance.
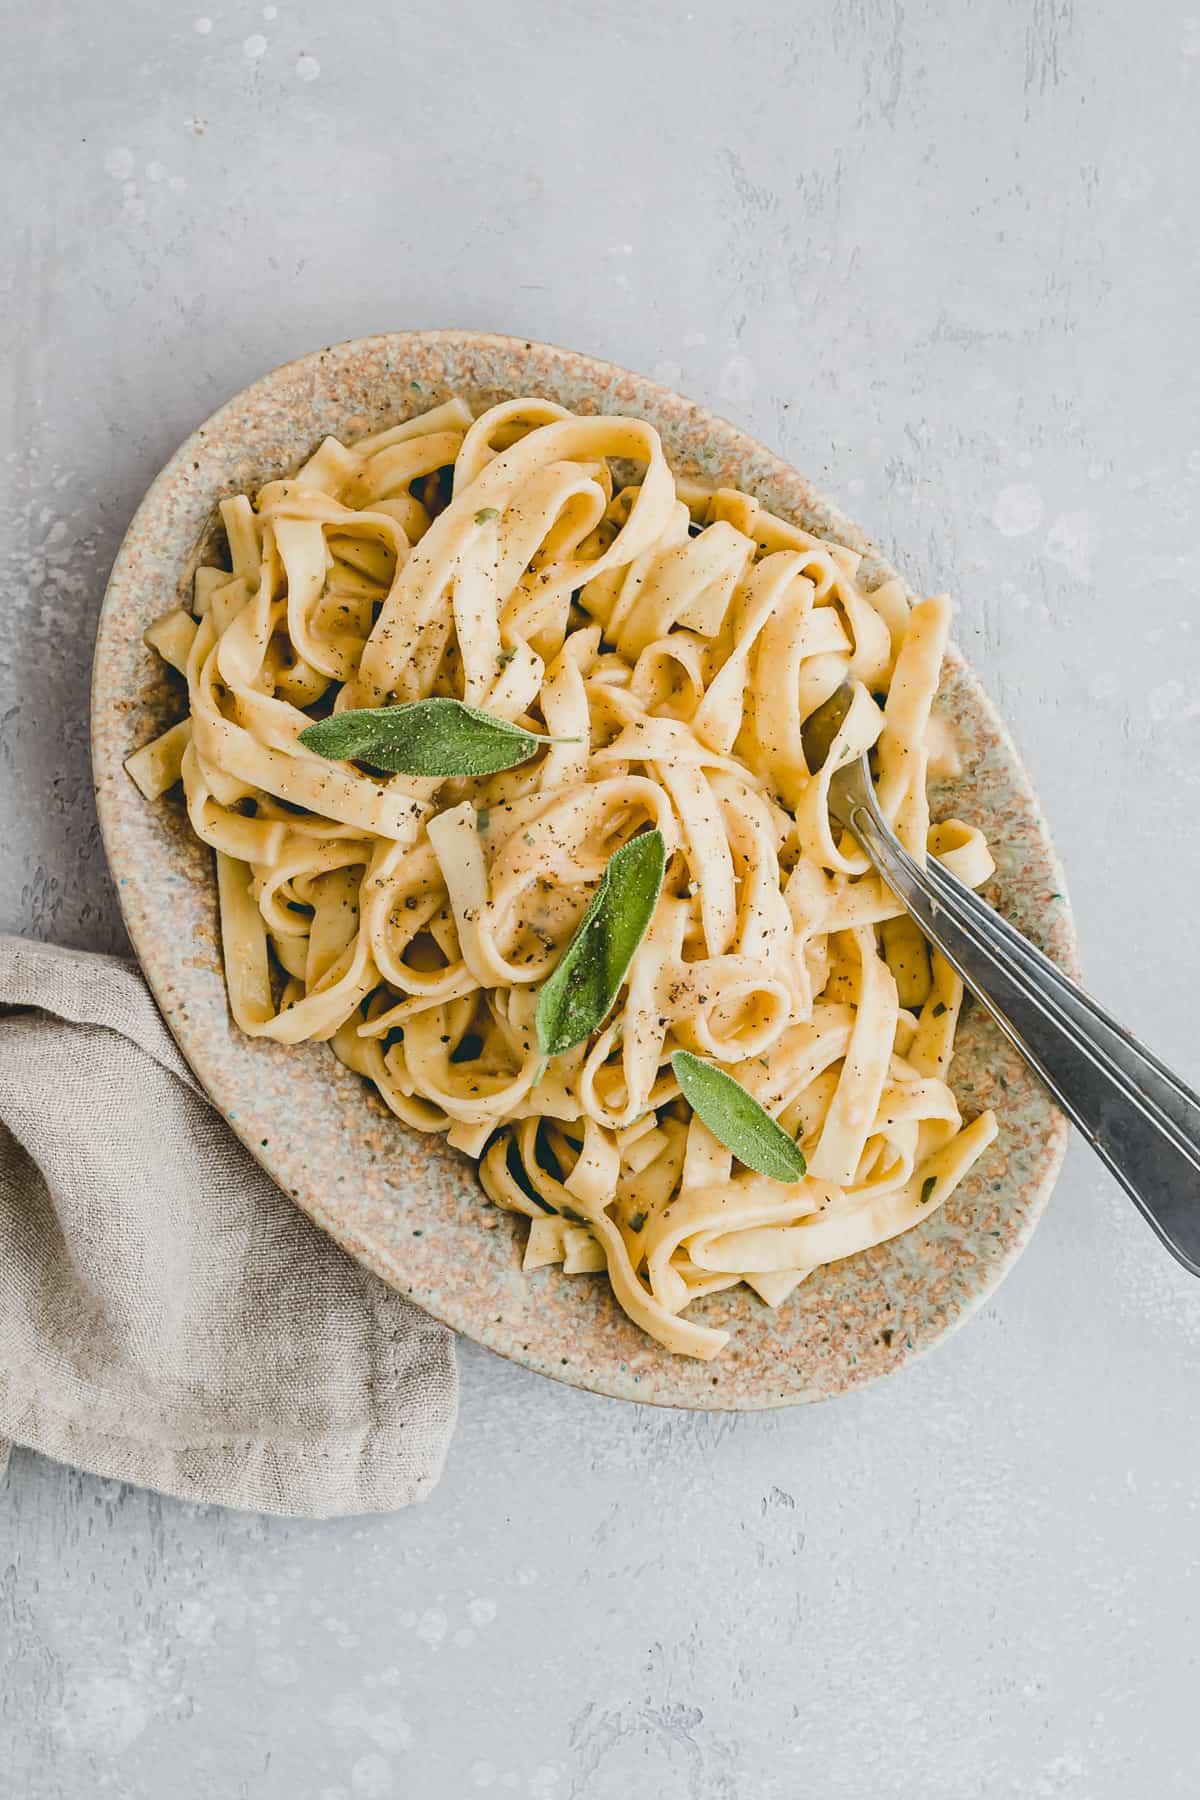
(1140, 1119)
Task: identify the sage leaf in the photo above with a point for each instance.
(578, 995)
(736, 1118)
(437, 738)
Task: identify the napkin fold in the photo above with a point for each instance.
(167, 1316)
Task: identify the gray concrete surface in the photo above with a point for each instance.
(945, 257)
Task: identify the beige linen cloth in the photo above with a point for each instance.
(167, 1316)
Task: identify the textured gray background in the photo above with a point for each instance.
(944, 257)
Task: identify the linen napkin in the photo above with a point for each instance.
(167, 1316)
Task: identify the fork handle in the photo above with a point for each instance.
(1140, 1119)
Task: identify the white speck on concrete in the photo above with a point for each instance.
(255, 46)
(737, 381)
(1172, 701)
(431, 1626)
(481, 1612)
(307, 68)
(119, 163)
(196, 1621)
(483, 1773)
(203, 26)
(1069, 543)
(343, 1635)
(270, 12)
(104, 1714)
(133, 203)
(387, 1728)
(1018, 509)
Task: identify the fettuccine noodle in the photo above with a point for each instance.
(674, 639)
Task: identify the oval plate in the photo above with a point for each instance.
(406, 1205)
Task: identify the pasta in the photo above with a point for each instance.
(665, 643)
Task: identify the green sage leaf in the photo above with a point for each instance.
(736, 1118)
(578, 995)
(437, 738)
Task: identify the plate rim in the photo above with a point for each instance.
(110, 783)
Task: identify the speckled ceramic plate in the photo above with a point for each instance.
(406, 1205)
